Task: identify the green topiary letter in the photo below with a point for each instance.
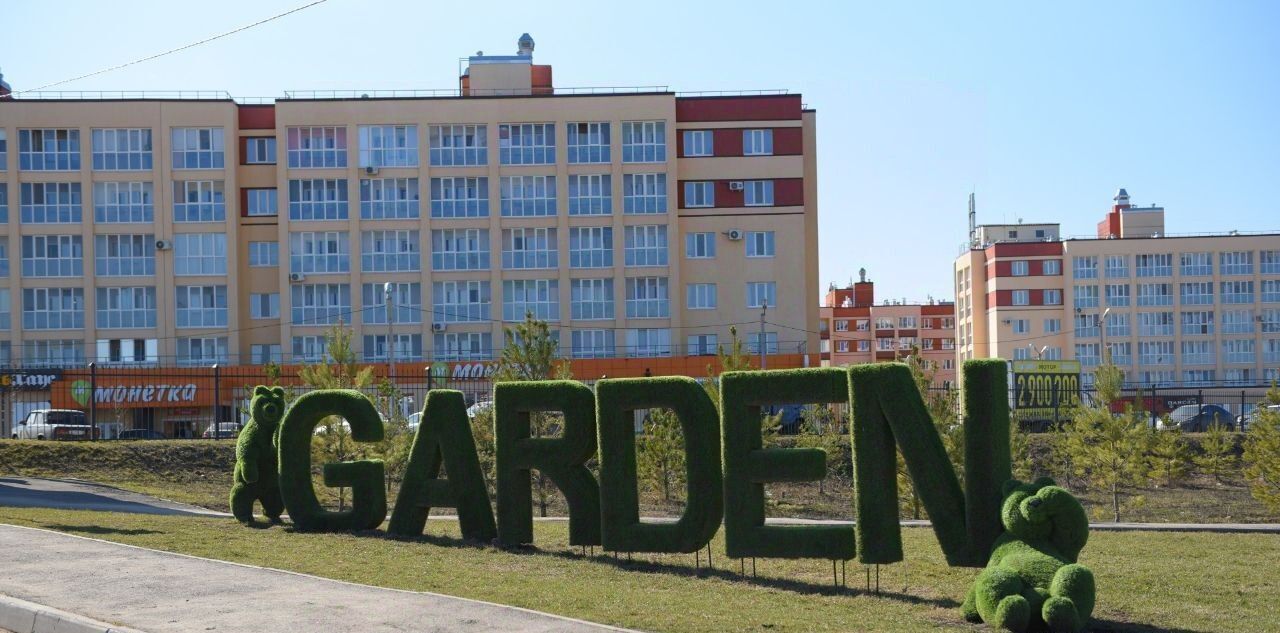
(748, 466)
(255, 471)
(366, 479)
(620, 526)
(562, 459)
(987, 458)
(444, 439)
(1032, 580)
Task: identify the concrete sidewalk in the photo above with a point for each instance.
(159, 592)
(74, 494)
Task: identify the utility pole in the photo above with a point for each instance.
(388, 290)
(1106, 351)
(763, 308)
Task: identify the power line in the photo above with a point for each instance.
(174, 50)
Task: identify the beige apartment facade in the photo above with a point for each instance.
(189, 231)
(1177, 311)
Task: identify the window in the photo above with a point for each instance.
(644, 193)
(591, 247)
(862, 325)
(1196, 293)
(757, 142)
(320, 304)
(463, 346)
(316, 147)
(55, 353)
(525, 196)
(760, 244)
(319, 252)
(50, 202)
(1271, 354)
(127, 350)
(4, 151)
(648, 342)
(390, 251)
(1271, 290)
(1155, 294)
(884, 344)
(1155, 352)
(309, 348)
(4, 202)
(1197, 323)
(200, 254)
(461, 301)
(1154, 265)
(52, 256)
(589, 142)
(199, 201)
(864, 345)
(261, 202)
(1118, 324)
(762, 293)
(406, 297)
(459, 197)
(388, 145)
(407, 347)
(1268, 261)
(1239, 376)
(260, 150)
(1117, 266)
(1238, 351)
(1121, 353)
(1051, 267)
(1088, 326)
(591, 299)
(201, 306)
(1156, 378)
(646, 245)
(647, 298)
(699, 143)
(705, 345)
(1237, 321)
(318, 199)
(460, 249)
(1196, 264)
(700, 245)
(1085, 267)
(1236, 263)
(699, 194)
(590, 194)
(1086, 296)
(52, 308)
(49, 150)
(884, 323)
(1234, 292)
(758, 193)
(527, 143)
(197, 148)
(842, 325)
(1118, 295)
(124, 255)
(1198, 353)
(1020, 268)
(540, 297)
(264, 353)
(1155, 324)
(1021, 297)
(202, 350)
(131, 307)
(644, 141)
(770, 342)
(1052, 326)
(122, 149)
(528, 248)
(389, 198)
(264, 305)
(1021, 326)
(459, 145)
(700, 296)
(1271, 321)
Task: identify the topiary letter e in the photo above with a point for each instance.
(255, 471)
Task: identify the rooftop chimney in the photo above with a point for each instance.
(1122, 199)
(5, 92)
(506, 75)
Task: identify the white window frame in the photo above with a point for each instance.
(319, 252)
(700, 296)
(390, 251)
(699, 143)
(318, 199)
(590, 194)
(761, 294)
(647, 298)
(319, 304)
(761, 244)
(316, 147)
(264, 305)
(460, 249)
(644, 141)
(50, 203)
(473, 202)
(200, 306)
(124, 255)
(700, 245)
(390, 145)
(462, 301)
(459, 145)
(264, 254)
(197, 148)
(757, 142)
(199, 201)
(699, 194)
(122, 149)
(47, 256)
(529, 248)
(199, 254)
(591, 247)
(644, 194)
(646, 245)
(541, 297)
(757, 193)
(591, 299)
(527, 143)
(588, 142)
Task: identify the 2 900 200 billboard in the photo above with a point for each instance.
(1043, 389)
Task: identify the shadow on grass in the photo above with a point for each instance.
(100, 530)
(1111, 626)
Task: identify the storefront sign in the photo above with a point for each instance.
(463, 370)
(21, 380)
(133, 395)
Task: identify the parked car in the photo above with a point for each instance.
(1244, 420)
(224, 431)
(1196, 418)
(54, 424)
(140, 434)
(414, 420)
(479, 407)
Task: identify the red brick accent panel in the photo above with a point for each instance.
(758, 108)
(256, 117)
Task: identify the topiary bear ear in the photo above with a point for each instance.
(278, 391)
(1009, 486)
(1045, 481)
(261, 390)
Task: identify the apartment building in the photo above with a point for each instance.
(195, 229)
(1170, 310)
(854, 329)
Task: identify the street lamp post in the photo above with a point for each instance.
(388, 290)
(1106, 351)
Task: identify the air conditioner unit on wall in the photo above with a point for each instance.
(163, 245)
(735, 185)
(437, 327)
(295, 277)
(734, 234)
(371, 171)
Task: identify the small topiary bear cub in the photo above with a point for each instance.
(256, 476)
(1032, 580)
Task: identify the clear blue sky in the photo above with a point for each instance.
(1043, 109)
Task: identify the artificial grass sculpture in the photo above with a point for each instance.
(620, 526)
(256, 463)
(563, 459)
(748, 466)
(444, 439)
(365, 478)
(1032, 580)
(987, 454)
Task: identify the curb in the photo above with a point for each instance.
(21, 616)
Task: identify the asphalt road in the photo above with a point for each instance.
(64, 494)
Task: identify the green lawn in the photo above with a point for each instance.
(1147, 581)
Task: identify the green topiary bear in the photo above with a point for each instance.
(1032, 580)
(256, 478)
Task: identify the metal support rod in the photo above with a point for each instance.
(93, 399)
(763, 308)
(217, 410)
